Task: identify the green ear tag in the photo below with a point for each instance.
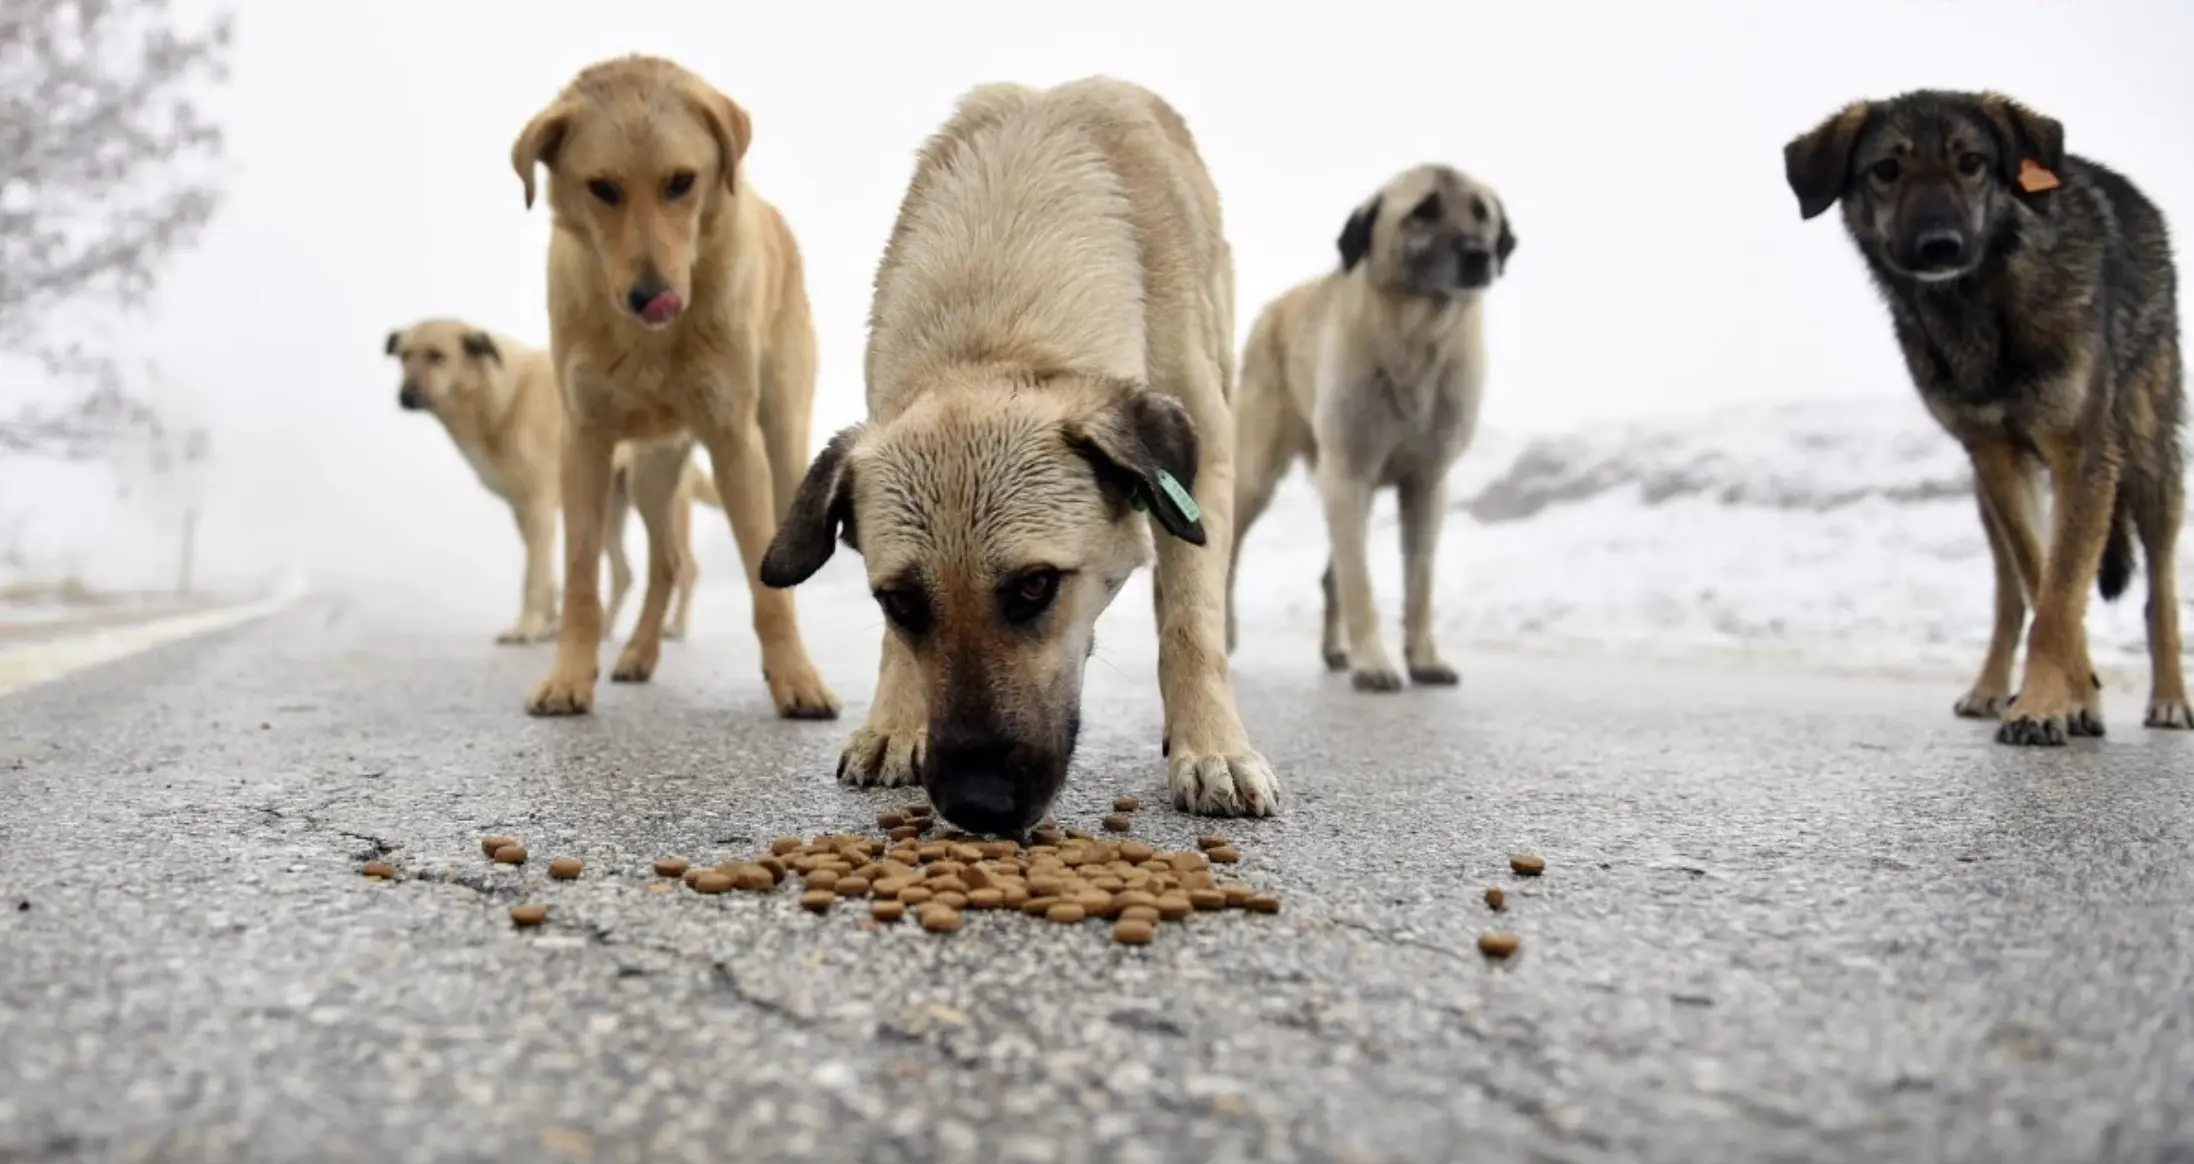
(1179, 497)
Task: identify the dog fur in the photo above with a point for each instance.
(2041, 329)
(678, 311)
(1049, 338)
(1373, 374)
(496, 398)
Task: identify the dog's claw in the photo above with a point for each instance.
(2171, 714)
(1240, 784)
(2033, 731)
(2084, 723)
(1375, 681)
(556, 696)
(881, 759)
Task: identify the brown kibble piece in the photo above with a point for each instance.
(886, 911)
(1136, 852)
(754, 879)
(1126, 804)
(1225, 854)
(916, 894)
(772, 866)
(670, 867)
(488, 845)
(1131, 931)
(564, 868)
(852, 887)
(380, 870)
(817, 900)
(511, 855)
(823, 879)
(986, 898)
(1038, 906)
(1066, 913)
(1211, 841)
(1237, 894)
(693, 875)
(1496, 945)
(1147, 913)
(1175, 906)
(711, 882)
(1495, 899)
(529, 914)
(1119, 822)
(949, 898)
(1207, 899)
(891, 820)
(1262, 903)
(784, 846)
(939, 919)
(905, 833)
(1526, 864)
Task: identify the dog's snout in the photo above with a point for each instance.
(987, 785)
(1473, 263)
(409, 398)
(644, 292)
(1939, 248)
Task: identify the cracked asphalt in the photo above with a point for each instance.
(1783, 917)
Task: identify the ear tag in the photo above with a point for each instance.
(2034, 177)
(1182, 503)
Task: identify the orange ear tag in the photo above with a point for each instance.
(2034, 177)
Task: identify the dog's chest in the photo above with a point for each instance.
(484, 467)
(1978, 371)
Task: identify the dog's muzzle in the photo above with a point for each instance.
(409, 399)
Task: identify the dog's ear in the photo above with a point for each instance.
(538, 141)
(1355, 240)
(2023, 136)
(1505, 244)
(731, 128)
(1144, 450)
(1818, 163)
(821, 508)
(396, 339)
(481, 346)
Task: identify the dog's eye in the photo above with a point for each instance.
(1886, 170)
(907, 610)
(679, 183)
(1971, 164)
(605, 190)
(1427, 210)
(434, 355)
(1026, 598)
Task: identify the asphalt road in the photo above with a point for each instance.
(1783, 918)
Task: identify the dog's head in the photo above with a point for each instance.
(1430, 231)
(640, 155)
(444, 362)
(997, 522)
(1930, 181)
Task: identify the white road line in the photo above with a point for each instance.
(37, 662)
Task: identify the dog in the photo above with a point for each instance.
(1049, 373)
(1373, 374)
(678, 311)
(2033, 296)
(497, 400)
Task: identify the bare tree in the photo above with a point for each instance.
(104, 174)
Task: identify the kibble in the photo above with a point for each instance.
(670, 867)
(784, 845)
(1211, 841)
(852, 887)
(711, 882)
(692, 875)
(488, 845)
(1066, 913)
(512, 854)
(1494, 945)
(1225, 854)
(754, 879)
(886, 911)
(1262, 903)
(1133, 931)
(1207, 899)
(1495, 899)
(528, 915)
(985, 898)
(1125, 804)
(1237, 895)
(1119, 822)
(940, 919)
(564, 868)
(817, 900)
(1136, 852)
(823, 879)
(1526, 864)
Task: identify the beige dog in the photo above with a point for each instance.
(497, 400)
(1048, 380)
(1373, 374)
(677, 310)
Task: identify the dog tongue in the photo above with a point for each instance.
(663, 308)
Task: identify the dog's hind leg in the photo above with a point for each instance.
(537, 605)
(613, 547)
(1267, 438)
(1347, 501)
(1423, 508)
(2159, 508)
(1991, 691)
(655, 471)
(689, 568)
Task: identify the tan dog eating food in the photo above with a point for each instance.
(1049, 377)
(677, 311)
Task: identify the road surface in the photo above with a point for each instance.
(1783, 918)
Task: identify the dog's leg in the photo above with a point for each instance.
(2158, 512)
(613, 545)
(689, 567)
(2058, 695)
(537, 605)
(1333, 633)
(1348, 518)
(654, 477)
(740, 459)
(1423, 506)
(886, 750)
(1991, 691)
(569, 686)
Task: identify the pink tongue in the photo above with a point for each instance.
(663, 308)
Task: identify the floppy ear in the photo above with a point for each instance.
(537, 142)
(821, 507)
(481, 346)
(1355, 240)
(731, 128)
(1144, 450)
(395, 338)
(1818, 164)
(2024, 135)
(1505, 244)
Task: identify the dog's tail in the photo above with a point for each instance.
(703, 486)
(2117, 567)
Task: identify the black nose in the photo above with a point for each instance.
(644, 293)
(1939, 248)
(409, 399)
(1474, 265)
(974, 785)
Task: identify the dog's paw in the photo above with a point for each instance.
(1375, 679)
(2170, 714)
(1982, 703)
(875, 758)
(528, 630)
(636, 663)
(1241, 784)
(2033, 730)
(1434, 674)
(561, 695)
(1336, 660)
(800, 694)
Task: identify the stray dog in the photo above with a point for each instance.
(1373, 373)
(2033, 294)
(497, 400)
(1049, 368)
(677, 310)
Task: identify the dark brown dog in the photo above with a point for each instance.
(2033, 293)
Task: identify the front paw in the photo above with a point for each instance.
(2170, 713)
(1240, 783)
(798, 693)
(1375, 679)
(561, 694)
(1982, 703)
(636, 664)
(527, 630)
(1433, 673)
(881, 758)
